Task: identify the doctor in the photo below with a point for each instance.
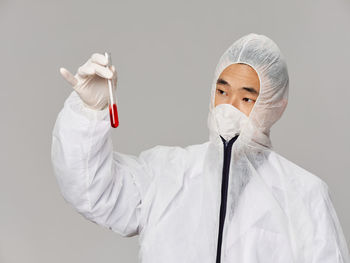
(229, 199)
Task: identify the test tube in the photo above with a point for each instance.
(113, 112)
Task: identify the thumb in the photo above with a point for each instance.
(68, 76)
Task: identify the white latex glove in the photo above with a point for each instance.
(90, 81)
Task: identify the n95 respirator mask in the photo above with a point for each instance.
(228, 120)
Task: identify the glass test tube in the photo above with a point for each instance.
(113, 112)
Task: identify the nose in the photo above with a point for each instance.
(234, 101)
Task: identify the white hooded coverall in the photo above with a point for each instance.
(229, 201)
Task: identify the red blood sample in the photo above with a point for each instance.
(113, 114)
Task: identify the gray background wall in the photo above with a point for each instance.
(165, 53)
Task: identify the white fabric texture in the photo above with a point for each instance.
(172, 196)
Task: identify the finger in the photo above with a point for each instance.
(99, 59)
(102, 71)
(86, 70)
(68, 76)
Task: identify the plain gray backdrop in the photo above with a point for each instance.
(165, 53)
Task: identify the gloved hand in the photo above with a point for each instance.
(90, 81)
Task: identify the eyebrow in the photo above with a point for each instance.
(225, 83)
(222, 82)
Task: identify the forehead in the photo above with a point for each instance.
(240, 72)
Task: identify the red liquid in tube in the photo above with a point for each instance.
(113, 114)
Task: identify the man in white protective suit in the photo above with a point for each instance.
(230, 199)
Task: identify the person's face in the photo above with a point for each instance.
(238, 84)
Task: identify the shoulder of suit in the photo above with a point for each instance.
(297, 175)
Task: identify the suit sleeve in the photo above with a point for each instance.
(105, 186)
(329, 244)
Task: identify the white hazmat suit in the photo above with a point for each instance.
(230, 199)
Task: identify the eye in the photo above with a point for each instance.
(248, 100)
(221, 91)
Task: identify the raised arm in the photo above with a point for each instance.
(105, 186)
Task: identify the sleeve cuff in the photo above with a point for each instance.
(75, 103)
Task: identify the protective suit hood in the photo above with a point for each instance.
(264, 56)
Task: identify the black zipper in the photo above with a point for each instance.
(224, 186)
